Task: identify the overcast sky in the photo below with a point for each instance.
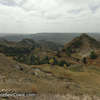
(32, 16)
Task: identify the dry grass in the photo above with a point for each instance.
(49, 79)
(66, 97)
(55, 97)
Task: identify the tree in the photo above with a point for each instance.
(84, 60)
(55, 61)
(58, 54)
(51, 61)
(45, 60)
(93, 55)
(68, 51)
(77, 44)
(63, 63)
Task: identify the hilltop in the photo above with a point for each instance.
(82, 44)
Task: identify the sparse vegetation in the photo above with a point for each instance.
(26, 66)
(45, 60)
(68, 51)
(63, 63)
(66, 97)
(76, 68)
(93, 55)
(77, 44)
(58, 54)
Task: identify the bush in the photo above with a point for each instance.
(68, 51)
(45, 60)
(84, 60)
(93, 55)
(51, 61)
(58, 54)
(63, 63)
(77, 44)
(55, 61)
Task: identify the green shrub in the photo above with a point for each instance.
(55, 61)
(77, 44)
(63, 63)
(45, 60)
(58, 54)
(68, 51)
(84, 60)
(93, 55)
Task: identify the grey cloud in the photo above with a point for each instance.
(72, 15)
(75, 11)
(8, 2)
(12, 2)
(53, 17)
(22, 2)
(94, 8)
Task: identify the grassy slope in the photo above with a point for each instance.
(49, 79)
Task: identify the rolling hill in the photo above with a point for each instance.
(60, 38)
(82, 44)
(44, 68)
